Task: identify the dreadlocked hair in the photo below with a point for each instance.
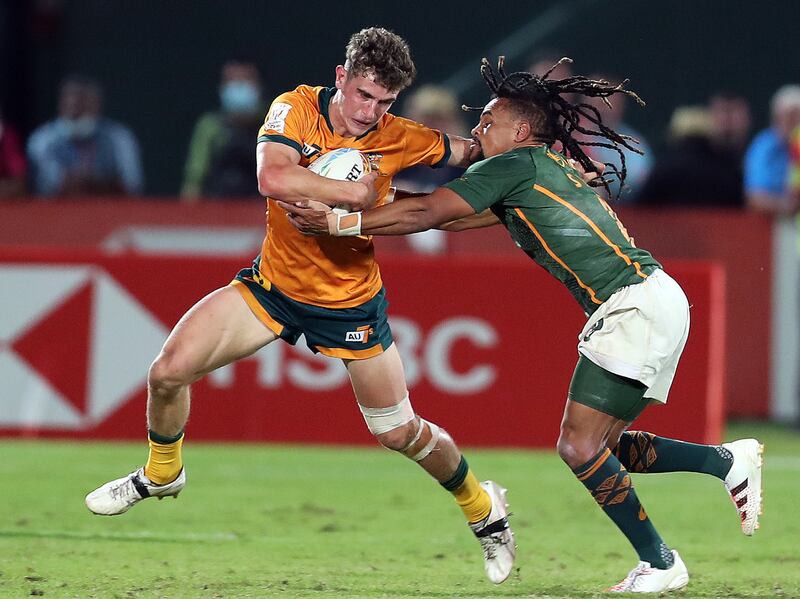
(555, 117)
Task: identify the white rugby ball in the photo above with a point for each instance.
(344, 164)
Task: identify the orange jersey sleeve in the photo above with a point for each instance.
(289, 119)
(423, 145)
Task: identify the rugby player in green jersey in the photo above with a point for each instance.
(638, 316)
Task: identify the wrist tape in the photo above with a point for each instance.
(348, 224)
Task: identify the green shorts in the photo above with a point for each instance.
(607, 392)
(353, 333)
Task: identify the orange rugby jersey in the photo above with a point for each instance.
(335, 272)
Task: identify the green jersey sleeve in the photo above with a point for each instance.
(492, 180)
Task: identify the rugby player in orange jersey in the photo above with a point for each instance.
(328, 289)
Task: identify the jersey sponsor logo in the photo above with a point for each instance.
(276, 120)
(595, 327)
(360, 335)
(310, 150)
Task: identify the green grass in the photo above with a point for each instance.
(261, 521)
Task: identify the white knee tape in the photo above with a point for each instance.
(417, 435)
(425, 451)
(383, 420)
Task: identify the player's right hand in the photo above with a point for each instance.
(365, 194)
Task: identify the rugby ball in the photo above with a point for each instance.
(344, 164)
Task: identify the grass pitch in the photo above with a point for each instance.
(271, 521)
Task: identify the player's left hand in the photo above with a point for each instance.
(309, 217)
(474, 151)
(591, 177)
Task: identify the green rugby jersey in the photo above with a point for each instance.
(558, 220)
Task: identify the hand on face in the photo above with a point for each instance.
(474, 151)
(497, 129)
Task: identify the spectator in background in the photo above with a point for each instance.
(435, 107)
(12, 161)
(222, 160)
(81, 152)
(730, 125)
(794, 166)
(637, 165)
(690, 172)
(766, 178)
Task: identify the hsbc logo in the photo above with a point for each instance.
(74, 346)
(425, 355)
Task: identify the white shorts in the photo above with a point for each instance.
(640, 332)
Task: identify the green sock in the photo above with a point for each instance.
(644, 452)
(610, 485)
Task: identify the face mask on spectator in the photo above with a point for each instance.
(79, 128)
(239, 96)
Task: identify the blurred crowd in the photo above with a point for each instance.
(710, 155)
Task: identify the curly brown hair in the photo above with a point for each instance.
(382, 53)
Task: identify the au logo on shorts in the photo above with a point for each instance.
(360, 335)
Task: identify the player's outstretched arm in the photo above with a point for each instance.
(281, 177)
(398, 218)
(473, 221)
(463, 151)
(487, 218)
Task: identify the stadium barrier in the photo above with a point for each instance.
(488, 346)
(741, 242)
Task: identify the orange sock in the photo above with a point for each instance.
(164, 462)
(473, 500)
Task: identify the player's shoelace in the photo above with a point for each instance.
(123, 489)
(629, 583)
(126, 490)
(490, 545)
(493, 536)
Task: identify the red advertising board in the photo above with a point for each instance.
(488, 346)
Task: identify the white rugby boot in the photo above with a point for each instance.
(495, 536)
(743, 482)
(120, 495)
(646, 579)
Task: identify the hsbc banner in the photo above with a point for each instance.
(488, 347)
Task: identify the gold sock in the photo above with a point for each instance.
(473, 500)
(164, 462)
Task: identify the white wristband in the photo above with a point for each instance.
(390, 195)
(348, 224)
